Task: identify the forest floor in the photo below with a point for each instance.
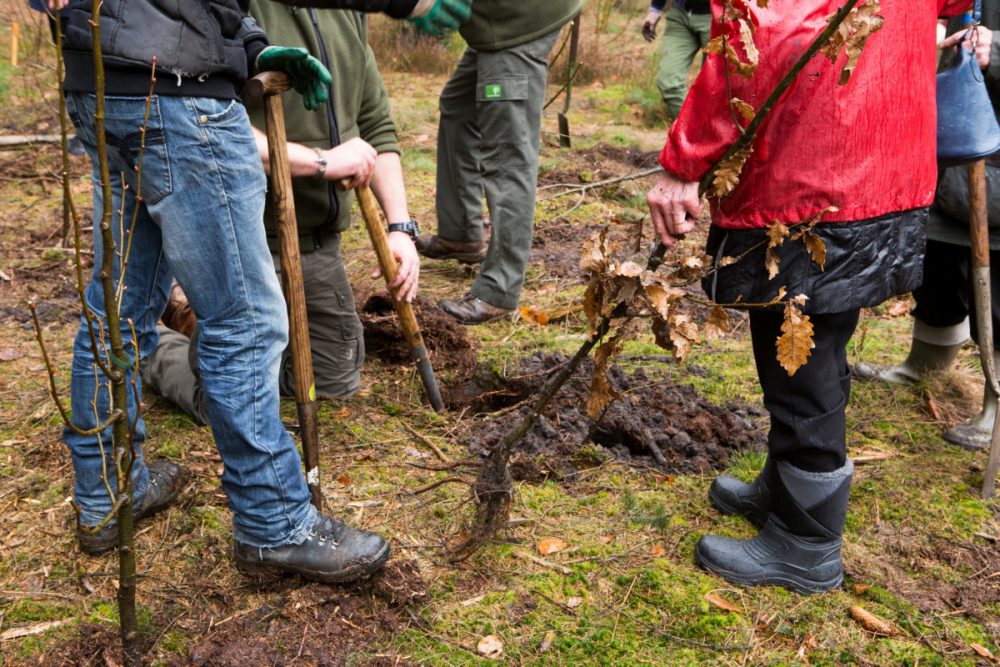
(596, 566)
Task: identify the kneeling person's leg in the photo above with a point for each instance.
(336, 337)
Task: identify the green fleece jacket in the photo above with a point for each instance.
(501, 24)
(359, 101)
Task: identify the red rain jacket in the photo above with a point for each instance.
(867, 147)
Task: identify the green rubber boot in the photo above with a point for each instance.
(922, 359)
(976, 434)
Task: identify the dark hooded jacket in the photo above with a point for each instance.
(202, 48)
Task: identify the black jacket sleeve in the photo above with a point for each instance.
(397, 9)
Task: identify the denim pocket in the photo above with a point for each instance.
(221, 121)
(144, 150)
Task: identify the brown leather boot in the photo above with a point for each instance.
(472, 310)
(466, 252)
(178, 314)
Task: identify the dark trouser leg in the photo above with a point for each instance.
(806, 409)
(172, 372)
(336, 337)
(808, 474)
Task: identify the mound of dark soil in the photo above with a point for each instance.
(656, 423)
(445, 339)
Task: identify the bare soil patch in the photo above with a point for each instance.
(657, 423)
(599, 162)
(446, 341)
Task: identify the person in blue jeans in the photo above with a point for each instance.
(198, 197)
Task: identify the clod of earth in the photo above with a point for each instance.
(657, 423)
(446, 341)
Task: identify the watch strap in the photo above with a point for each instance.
(408, 227)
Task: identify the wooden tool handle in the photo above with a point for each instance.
(271, 85)
(376, 225)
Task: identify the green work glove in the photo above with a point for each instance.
(308, 75)
(444, 16)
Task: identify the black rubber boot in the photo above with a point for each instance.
(332, 553)
(732, 496)
(799, 545)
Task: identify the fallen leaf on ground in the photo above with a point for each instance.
(872, 623)
(574, 602)
(34, 629)
(983, 651)
(490, 646)
(10, 354)
(932, 407)
(870, 455)
(721, 602)
(473, 600)
(546, 644)
(550, 545)
(657, 550)
(808, 645)
(861, 589)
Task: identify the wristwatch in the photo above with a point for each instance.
(320, 162)
(409, 228)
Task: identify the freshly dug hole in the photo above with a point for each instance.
(445, 339)
(657, 423)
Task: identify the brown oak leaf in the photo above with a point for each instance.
(795, 343)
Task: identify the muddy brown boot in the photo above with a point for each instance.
(332, 553)
(165, 479)
(178, 314)
(472, 310)
(466, 252)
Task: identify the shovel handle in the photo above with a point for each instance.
(979, 233)
(270, 85)
(376, 225)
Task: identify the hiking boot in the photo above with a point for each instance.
(178, 314)
(466, 252)
(333, 553)
(734, 497)
(472, 310)
(164, 484)
(799, 545)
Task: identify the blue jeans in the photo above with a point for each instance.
(199, 219)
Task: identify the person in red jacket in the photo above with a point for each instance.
(861, 157)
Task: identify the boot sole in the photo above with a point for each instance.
(468, 260)
(787, 580)
(264, 573)
(756, 518)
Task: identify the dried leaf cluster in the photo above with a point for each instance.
(622, 289)
(852, 35)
